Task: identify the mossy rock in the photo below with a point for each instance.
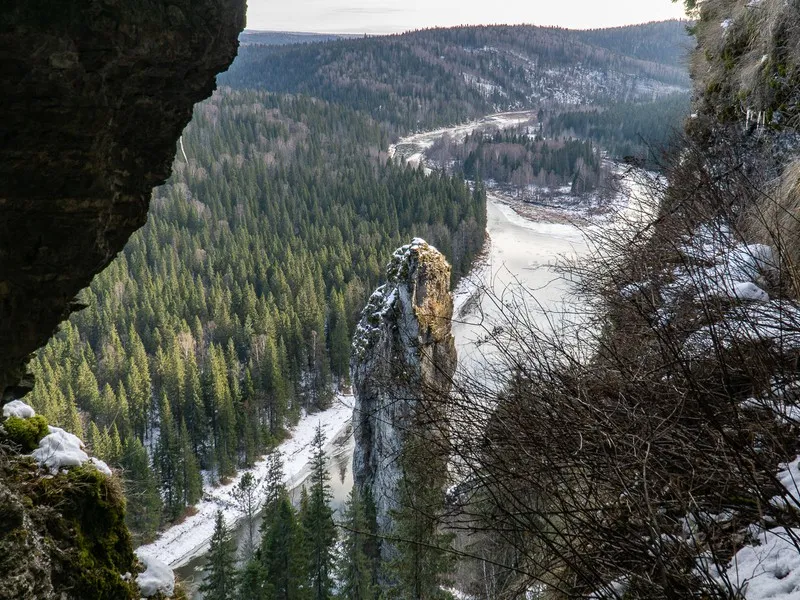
(87, 530)
(26, 433)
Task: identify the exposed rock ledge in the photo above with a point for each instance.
(403, 351)
(95, 95)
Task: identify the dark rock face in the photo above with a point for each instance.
(62, 537)
(403, 354)
(95, 95)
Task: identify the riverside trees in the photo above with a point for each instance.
(233, 308)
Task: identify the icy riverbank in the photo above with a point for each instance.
(180, 543)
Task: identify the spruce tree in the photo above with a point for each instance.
(220, 582)
(248, 498)
(355, 569)
(281, 554)
(275, 488)
(143, 513)
(317, 519)
(422, 563)
(168, 463)
(192, 481)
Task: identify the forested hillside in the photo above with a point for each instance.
(665, 42)
(232, 310)
(623, 129)
(234, 307)
(426, 78)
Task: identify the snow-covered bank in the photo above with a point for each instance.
(180, 543)
(412, 148)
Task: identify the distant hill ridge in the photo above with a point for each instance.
(283, 38)
(432, 77)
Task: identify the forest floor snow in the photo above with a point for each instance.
(180, 543)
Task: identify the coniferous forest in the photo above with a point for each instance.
(233, 308)
(231, 311)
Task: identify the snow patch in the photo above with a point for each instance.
(769, 571)
(782, 401)
(158, 577)
(789, 478)
(60, 449)
(100, 466)
(180, 543)
(17, 408)
(615, 589)
(775, 323)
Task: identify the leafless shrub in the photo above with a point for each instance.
(626, 449)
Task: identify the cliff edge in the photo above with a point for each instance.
(95, 96)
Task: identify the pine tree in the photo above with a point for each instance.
(221, 580)
(192, 481)
(168, 463)
(253, 583)
(281, 554)
(114, 447)
(275, 488)
(422, 561)
(248, 498)
(339, 339)
(355, 570)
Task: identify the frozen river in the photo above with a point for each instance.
(516, 278)
(516, 275)
(516, 270)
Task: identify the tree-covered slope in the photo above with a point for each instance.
(233, 308)
(425, 78)
(281, 38)
(665, 42)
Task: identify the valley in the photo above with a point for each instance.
(516, 263)
(219, 340)
(483, 312)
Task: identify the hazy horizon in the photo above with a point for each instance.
(382, 17)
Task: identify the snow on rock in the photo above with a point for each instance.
(100, 466)
(384, 298)
(17, 408)
(403, 348)
(769, 571)
(775, 323)
(747, 290)
(158, 577)
(180, 543)
(715, 265)
(60, 449)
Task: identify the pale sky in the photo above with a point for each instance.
(391, 16)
